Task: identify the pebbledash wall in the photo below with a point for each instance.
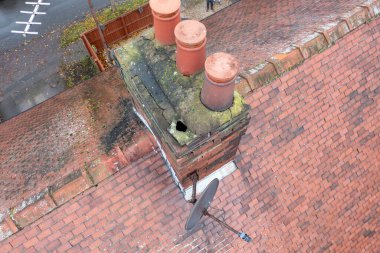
(309, 163)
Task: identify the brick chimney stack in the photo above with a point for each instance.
(186, 111)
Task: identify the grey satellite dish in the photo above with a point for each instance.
(200, 209)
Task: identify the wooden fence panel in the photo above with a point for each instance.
(117, 29)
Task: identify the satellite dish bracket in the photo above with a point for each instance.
(194, 177)
(242, 235)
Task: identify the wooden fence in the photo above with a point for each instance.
(120, 28)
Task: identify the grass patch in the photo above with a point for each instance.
(72, 32)
(79, 71)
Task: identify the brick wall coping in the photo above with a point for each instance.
(28, 211)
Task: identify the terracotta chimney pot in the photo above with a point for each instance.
(191, 46)
(166, 15)
(217, 92)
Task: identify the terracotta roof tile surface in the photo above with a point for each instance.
(64, 134)
(308, 177)
(254, 30)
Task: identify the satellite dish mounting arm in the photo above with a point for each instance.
(200, 209)
(242, 235)
(194, 177)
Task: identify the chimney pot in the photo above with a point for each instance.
(191, 46)
(221, 70)
(166, 15)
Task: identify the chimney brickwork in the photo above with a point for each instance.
(193, 137)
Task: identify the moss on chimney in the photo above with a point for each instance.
(157, 79)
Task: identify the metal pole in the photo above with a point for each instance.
(99, 28)
(242, 235)
(220, 222)
(195, 178)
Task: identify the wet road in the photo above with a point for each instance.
(29, 67)
(58, 13)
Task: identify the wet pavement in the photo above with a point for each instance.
(29, 67)
(57, 14)
(31, 73)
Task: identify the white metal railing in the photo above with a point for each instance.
(31, 18)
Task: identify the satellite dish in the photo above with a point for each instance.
(200, 209)
(202, 204)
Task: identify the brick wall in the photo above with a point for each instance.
(307, 180)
